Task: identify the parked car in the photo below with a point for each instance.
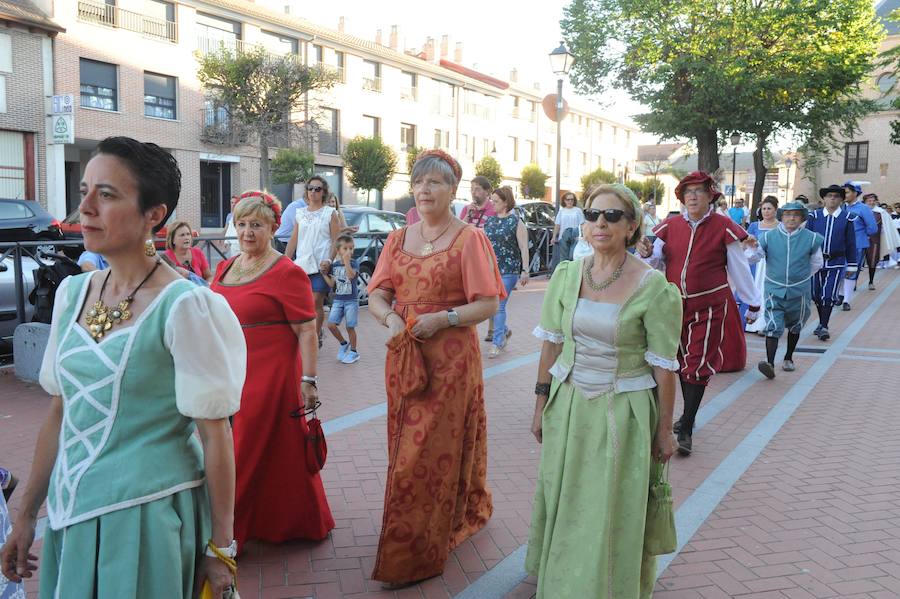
(373, 227)
(539, 219)
(25, 220)
(8, 318)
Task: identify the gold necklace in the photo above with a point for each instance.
(428, 248)
(100, 318)
(241, 271)
(609, 281)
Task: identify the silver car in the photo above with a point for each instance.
(8, 318)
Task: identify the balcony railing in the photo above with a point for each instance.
(372, 84)
(410, 93)
(217, 127)
(340, 72)
(207, 45)
(113, 16)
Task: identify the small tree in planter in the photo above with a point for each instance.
(534, 182)
(489, 167)
(371, 164)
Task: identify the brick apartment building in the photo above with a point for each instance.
(131, 65)
(26, 77)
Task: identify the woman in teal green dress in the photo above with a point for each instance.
(138, 359)
(603, 411)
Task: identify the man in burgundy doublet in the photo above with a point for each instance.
(700, 251)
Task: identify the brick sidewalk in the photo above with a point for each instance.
(816, 499)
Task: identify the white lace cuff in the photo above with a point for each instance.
(654, 360)
(552, 336)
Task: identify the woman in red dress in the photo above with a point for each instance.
(276, 498)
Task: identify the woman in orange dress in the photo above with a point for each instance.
(435, 280)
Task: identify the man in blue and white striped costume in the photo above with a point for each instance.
(864, 227)
(836, 225)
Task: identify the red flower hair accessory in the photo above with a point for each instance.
(454, 165)
(271, 201)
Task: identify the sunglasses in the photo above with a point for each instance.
(610, 215)
(315, 189)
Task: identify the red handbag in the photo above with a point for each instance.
(316, 447)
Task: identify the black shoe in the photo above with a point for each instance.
(8, 491)
(489, 337)
(818, 330)
(846, 307)
(676, 426)
(871, 286)
(685, 444)
(824, 335)
(767, 369)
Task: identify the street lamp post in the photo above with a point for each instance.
(560, 61)
(787, 185)
(735, 140)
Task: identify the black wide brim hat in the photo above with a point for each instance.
(835, 188)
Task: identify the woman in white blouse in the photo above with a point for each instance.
(317, 227)
(567, 228)
(138, 359)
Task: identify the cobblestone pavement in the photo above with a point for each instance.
(791, 492)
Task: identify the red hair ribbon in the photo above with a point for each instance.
(454, 165)
(271, 201)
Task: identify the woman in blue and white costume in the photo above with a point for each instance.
(138, 359)
(768, 210)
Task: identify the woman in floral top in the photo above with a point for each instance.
(509, 237)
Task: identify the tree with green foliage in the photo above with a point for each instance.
(260, 92)
(705, 69)
(411, 159)
(291, 165)
(534, 181)
(370, 163)
(597, 177)
(490, 168)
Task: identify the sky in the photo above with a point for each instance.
(497, 35)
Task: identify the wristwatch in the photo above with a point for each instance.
(312, 380)
(230, 551)
(453, 317)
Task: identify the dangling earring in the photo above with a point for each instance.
(149, 248)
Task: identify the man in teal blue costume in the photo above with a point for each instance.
(793, 255)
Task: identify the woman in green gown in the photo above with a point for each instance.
(605, 392)
(138, 361)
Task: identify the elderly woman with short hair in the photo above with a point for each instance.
(605, 392)
(435, 280)
(276, 498)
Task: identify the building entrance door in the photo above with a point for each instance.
(215, 193)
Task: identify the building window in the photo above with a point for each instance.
(371, 76)
(856, 157)
(409, 89)
(98, 85)
(159, 96)
(438, 138)
(339, 61)
(463, 144)
(160, 20)
(317, 54)
(568, 165)
(407, 137)
(529, 149)
(329, 132)
(372, 124)
(279, 44)
(514, 148)
(215, 33)
(584, 162)
(487, 147)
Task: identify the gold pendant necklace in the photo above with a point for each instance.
(428, 248)
(243, 271)
(100, 318)
(603, 284)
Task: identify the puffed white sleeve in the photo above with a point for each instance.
(210, 354)
(47, 377)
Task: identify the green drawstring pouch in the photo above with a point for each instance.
(659, 533)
